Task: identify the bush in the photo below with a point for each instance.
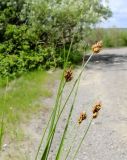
(33, 34)
(15, 65)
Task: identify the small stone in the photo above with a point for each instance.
(5, 146)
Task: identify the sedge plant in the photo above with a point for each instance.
(48, 136)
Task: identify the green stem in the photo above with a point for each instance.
(51, 135)
(53, 120)
(70, 113)
(43, 136)
(51, 116)
(82, 138)
(71, 146)
(74, 86)
(67, 123)
(60, 100)
(52, 131)
(1, 130)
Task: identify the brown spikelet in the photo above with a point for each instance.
(68, 75)
(96, 109)
(95, 115)
(79, 121)
(96, 48)
(82, 117)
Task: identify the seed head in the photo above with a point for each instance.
(68, 75)
(96, 48)
(79, 121)
(97, 107)
(82, 117)
(95, 115)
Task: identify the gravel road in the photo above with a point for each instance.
(104, 79)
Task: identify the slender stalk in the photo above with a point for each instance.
(53, 127)
(43, 136)
(72, 145)
(1, 130)
(53, 118)
(5, 93)
(82, 139)
(74, 86)
(70, 113)
(70, 48)
(61, 112)
(3, 115)
(46, 128)
(47, 149)
(55, 108)
(51, 135)
(60, 101)
(57, 99)
(67, 123)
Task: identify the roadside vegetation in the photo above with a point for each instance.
(23, 97)
(111, 37)
(36, 36)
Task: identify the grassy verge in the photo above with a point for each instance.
(23, 98)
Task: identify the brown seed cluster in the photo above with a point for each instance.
(68, 75)
(96, 109)
(82, 117)
(96, 48)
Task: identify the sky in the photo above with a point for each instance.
(119, 18)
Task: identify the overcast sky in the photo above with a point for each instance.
(119, 18)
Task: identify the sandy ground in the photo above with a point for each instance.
(105, 79)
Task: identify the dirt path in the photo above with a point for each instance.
(107, 79)
(104, 79)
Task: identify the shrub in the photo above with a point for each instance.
(34, 34)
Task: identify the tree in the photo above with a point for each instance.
(34, 33)
(57, 21)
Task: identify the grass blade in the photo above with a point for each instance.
(1, 131)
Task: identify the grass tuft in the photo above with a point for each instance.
(24, 96)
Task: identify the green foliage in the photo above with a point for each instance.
(56, 22)
(112, 37)
(22, 96)
(14, 65)
(1, 130)
(33, 34)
